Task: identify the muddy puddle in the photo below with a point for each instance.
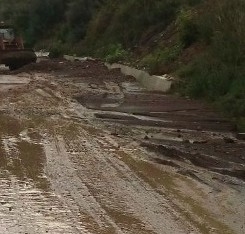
(27, 202)
(149, 109)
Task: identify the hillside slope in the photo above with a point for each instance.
(202, 42)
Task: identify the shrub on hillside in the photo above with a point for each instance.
(159, 57)
(57, 50)
(233, 102)
(113, 53)
(220, 74)
(187, 27)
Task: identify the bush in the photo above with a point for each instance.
(219, 75)
(210, 79)
(241, 124)
(113, 53)
(188, 29)
(57, 50)
(233, 103)
(160, 57)
(218, 82)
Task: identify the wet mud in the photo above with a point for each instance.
(87, 150)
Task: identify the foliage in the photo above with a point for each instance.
(241, 124)
(125, 22)
(79, 14)
(64, 20)
(159, 57)
(233, 103)
(187, 27)
(219, 75)
(113, 53)
(42, 15)
(57, 50)
(111, 28)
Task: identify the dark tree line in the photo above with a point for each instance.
(64, 20)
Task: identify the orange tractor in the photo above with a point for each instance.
(12, 51)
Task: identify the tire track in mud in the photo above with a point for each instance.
(73, 192)
(100, 188)
(25, 209)
(97, 190)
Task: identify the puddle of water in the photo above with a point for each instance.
(24, 160)
(27, 203)
(32, 159)
(9, 126)
(19, 155)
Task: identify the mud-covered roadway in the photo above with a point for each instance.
(87, 150)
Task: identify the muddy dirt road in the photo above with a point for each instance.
(87, 150)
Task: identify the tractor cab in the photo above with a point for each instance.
(7, 33)
(8, 39)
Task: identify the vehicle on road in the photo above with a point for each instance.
(12, 51)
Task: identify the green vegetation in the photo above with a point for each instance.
(200, 41)
(219, 73)
(113, 53)
(187, 27)
(127, 21)
(160, 57)
(49, 21)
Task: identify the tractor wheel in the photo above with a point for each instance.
(14, 66)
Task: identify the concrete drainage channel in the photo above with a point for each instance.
(150, 82)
